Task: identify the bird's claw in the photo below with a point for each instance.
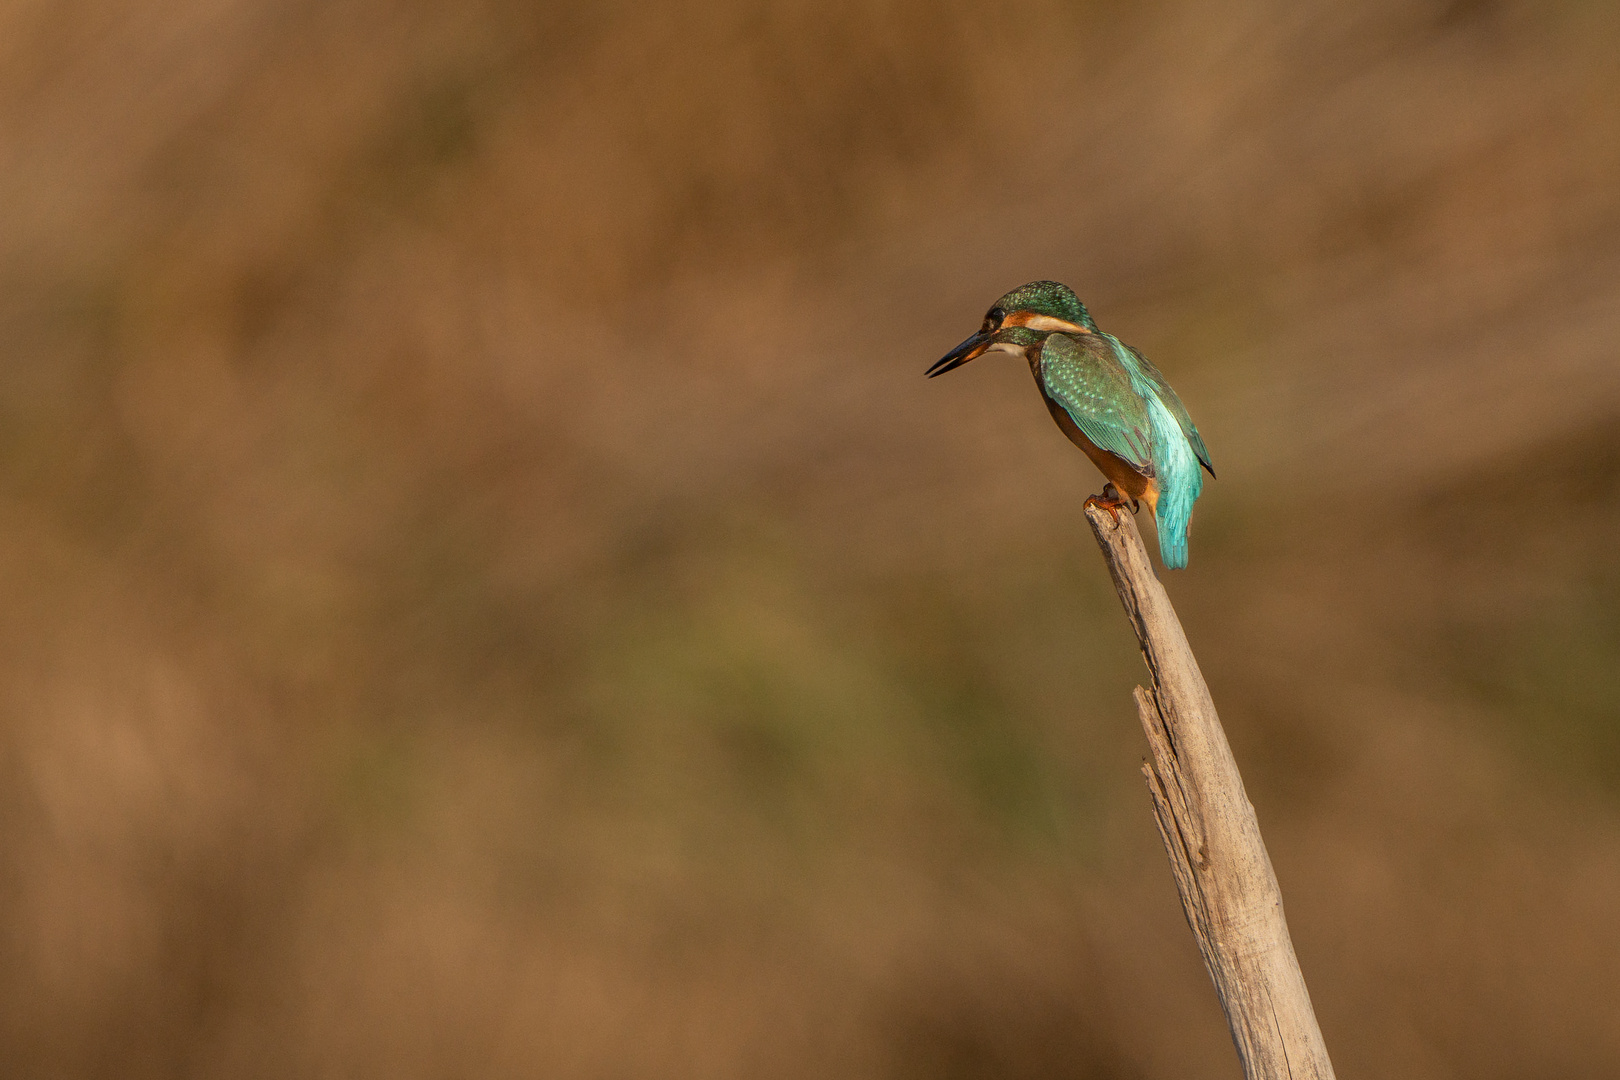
(1110, 501)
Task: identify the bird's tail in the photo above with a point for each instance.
(1171, 516)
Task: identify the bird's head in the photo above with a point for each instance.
(1020, 319)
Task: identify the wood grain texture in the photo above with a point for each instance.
(1210, 832)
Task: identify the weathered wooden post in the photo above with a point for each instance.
(1219, 860)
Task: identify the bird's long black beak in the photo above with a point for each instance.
(960, 355)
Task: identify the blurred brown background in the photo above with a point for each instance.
(487, 591)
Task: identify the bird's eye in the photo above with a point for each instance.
(992, 320)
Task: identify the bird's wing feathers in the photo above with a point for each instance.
(1176, 408)
(1081, 373)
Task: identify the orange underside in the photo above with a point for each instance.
(1130, 483)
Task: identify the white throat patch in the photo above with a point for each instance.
(1006, 347)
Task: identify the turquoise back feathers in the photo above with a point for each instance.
(1123, 405)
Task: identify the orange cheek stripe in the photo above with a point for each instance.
(1042, 322)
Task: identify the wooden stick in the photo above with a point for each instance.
(1219, 860)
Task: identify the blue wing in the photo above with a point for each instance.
(1082, 373)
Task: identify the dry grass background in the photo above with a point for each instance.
(487, 591)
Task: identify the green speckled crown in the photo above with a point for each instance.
(1048, 298)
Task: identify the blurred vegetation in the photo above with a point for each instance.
(487, 591)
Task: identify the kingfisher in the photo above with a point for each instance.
(1108, 399)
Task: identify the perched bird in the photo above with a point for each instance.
(1108, 400)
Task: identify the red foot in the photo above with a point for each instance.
(1110, 501)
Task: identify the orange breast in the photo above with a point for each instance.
(1124, 476)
